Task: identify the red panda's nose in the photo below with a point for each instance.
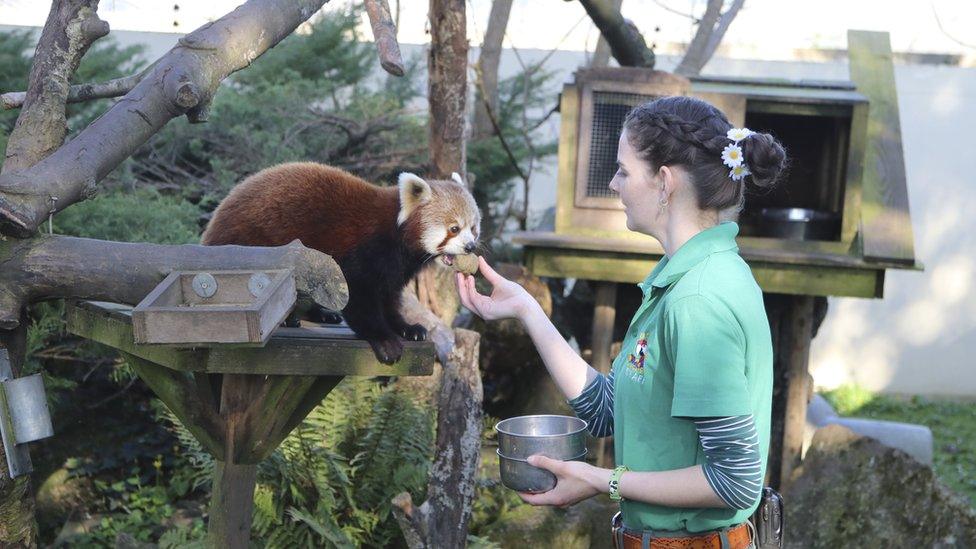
(469, 247)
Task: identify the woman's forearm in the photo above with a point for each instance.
(686, 487)
(569, 371)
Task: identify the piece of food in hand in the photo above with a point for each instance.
(466, 263)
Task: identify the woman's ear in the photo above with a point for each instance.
(667, 182)
(414, 191)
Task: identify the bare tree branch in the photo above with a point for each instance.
(723, 25)
(51, 267)
(384, 35)
(183, 80)
(71, 28)
(79, 93)
(711, 30)
(626, 43)
(487, 68)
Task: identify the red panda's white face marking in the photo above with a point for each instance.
(447, 214)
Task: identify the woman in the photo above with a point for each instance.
(688, 399)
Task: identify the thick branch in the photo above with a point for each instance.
(384, 35)
(80, 93)
(51, 267)
(601, 55)
(184, 79)
(626, 43)
(71, 28)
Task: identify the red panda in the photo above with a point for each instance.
(379, 236)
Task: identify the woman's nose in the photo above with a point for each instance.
(613, 184)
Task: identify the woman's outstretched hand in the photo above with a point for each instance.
(507, 300)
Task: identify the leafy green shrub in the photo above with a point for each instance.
(137, 215)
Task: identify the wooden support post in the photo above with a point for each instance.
(604, 311)
(231, 505)
(797, 390)
(791, 323)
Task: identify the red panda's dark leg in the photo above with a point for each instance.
(365, 315)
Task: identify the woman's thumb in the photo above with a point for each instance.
(489, 273)
(541, 462)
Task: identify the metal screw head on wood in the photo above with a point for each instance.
(205, 285)
(257, 283)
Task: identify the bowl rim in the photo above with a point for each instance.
(574, 458)
(504, 432)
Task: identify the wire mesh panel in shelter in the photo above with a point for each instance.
(609, 111)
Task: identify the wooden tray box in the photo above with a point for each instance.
(175, 314)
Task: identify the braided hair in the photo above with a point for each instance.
(691, 133)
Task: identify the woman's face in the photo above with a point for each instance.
(639, 189)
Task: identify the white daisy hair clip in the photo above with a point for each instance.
(732, 153)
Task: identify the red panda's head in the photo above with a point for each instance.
(440, 218)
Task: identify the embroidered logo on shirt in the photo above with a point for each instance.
(635, 360)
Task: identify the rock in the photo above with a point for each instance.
(853, 491)
(59, 494)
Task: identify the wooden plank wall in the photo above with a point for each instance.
(886, 229)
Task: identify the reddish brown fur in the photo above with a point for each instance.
(289, 201)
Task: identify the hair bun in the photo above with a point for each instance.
(765, 157)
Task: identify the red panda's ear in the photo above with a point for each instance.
(414, 191)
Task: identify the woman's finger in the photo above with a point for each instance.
(462, 290)
(489, 273)
(481, 304)
(544, 498)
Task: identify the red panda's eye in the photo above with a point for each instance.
(455, 229)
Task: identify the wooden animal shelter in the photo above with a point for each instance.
(832, 227)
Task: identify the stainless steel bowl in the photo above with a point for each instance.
(559, 437)
(798, 224)
(518, 475)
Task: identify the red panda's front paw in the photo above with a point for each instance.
(414, 332)
(387, 351)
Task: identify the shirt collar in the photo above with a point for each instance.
(715, 239)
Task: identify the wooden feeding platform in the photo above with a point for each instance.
(833, 227)
(241, 401)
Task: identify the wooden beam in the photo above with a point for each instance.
(231, 506)
(604, 312)
(180, 395)
(290, 351)
(886, 227)
(794, 357)
(772, 277)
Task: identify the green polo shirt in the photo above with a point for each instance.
(698, 346)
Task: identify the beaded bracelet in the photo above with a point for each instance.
(615, 482)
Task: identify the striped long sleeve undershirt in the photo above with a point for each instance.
(733, 463)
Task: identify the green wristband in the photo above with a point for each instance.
(615, 482)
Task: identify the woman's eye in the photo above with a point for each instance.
(455, 229)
